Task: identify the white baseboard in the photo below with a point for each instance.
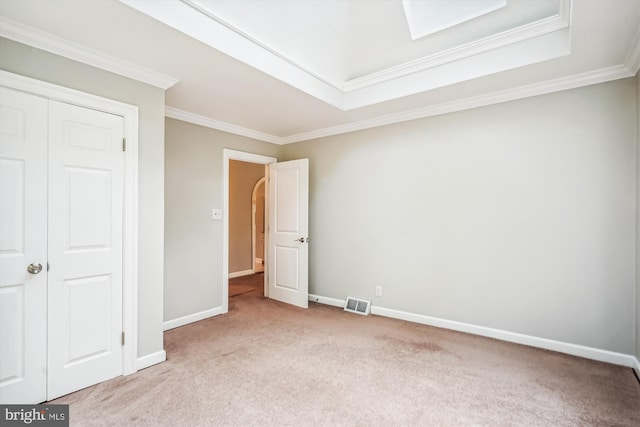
(240, 273)
(327, 301)
(559, 346)
(636, 366)
(151, 359)
(190, 318)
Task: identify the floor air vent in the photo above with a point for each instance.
(359, 306)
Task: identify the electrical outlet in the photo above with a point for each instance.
(378, 291)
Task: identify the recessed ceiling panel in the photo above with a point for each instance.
(310, 34)
(426, 17)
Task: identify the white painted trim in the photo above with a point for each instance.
(190, 318)
(42, 40)
(636, 365)
(241, 273)
(130, 206)
(257, 42)
(559, 346)
(506, 38)
(326, 300)
(188, 18)
(550, 86)
(228, 155)
(197, 119)
(151, 359)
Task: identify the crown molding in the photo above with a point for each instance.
(506, 38)
(48, 42)
(556, 85)
(196, 119)
(571, 82)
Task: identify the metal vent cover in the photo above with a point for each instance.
(358, 306)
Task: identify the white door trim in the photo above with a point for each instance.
(130, 224)
(228, 155)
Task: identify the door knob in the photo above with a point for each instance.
(34, 268)
(301, 240)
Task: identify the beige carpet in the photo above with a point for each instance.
(270, 364)
(238, 290)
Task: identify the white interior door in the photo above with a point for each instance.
(23, 241)
(86, 166)
(288, 232)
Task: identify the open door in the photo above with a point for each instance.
(288, 241)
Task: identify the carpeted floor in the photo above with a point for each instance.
(269, 364)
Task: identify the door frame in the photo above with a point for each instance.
(227, 156)
(254, 226)
(130, 194)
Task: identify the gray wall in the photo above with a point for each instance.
(243, 177)
(193, 241)
(638, 216)
(518, 216)
(30, 62)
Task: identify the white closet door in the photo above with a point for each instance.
(23, 242)
(86, 167)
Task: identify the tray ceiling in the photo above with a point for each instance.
(359, 53)
(285, 71)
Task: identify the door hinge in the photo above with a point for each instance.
(48, 266)
(124, 144)
(122, 339)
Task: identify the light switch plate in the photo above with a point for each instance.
(216, 214)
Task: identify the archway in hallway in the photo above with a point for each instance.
(258, 225)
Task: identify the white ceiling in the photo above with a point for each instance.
(285, 71)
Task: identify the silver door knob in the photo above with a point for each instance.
(34, 268)
(302, 240)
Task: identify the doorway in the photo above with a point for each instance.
(243, 208)
(228, 157)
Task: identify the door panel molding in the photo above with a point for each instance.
(288, 235)
(86, 171)
(23, 243)
(130, 196)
